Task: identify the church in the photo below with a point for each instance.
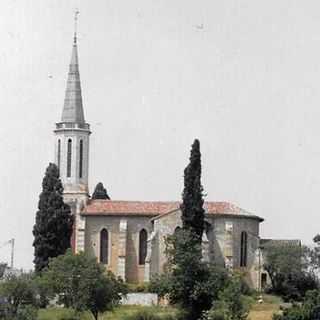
(128, 237)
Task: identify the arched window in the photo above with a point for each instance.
(244, 249)
(104, 246)
(69, 158)
(81, 158)
(59, 153)
(143, 238)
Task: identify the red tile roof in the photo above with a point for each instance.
(153, 208)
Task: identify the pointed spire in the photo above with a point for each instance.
(73, 109)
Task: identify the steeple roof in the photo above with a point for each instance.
(73, 109)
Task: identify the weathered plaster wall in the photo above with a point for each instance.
(94, 224)
(224, 235)
(227, 243)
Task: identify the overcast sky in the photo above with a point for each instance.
(242, 76)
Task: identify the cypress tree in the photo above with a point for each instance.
(100, 192)
(53, 228)
(192, 196)
(190, 276)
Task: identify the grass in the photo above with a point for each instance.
(259, 311)
(117, 314)
(265, 310)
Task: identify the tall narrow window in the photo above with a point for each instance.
(143, 238)
(59, 153)
(81, 158)
(243, 249)
(69, 158)
(104, 248)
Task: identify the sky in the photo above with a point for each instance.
(242, 76)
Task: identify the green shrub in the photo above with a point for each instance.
(215, 315)
(231, 304)
(28, 312)
(142, 315)
(150, 314)
(160, 284)
(138, 287)
(308, 310)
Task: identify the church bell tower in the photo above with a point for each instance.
(72, 148)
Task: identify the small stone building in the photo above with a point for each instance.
(129, 236)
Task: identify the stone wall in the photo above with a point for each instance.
(122, 260)
(163, 227)
(223, 246)
(224, 237)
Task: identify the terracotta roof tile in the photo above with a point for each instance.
(153, 208)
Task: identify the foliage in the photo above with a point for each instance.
(53, 228)
(28, 312)
(308, 310)
(160, 284)
(192, 205)
(231, 304)
(245, 288)
(146, 314)
(189, 276)
(82, 283)
(19, 295)
(100, 192)
(138, 287)
(193, 284)
(314, 256)
(287, 267)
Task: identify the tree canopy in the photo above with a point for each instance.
(189, 275)
(53, 228)
(288, 268)
(192, 196)
(82, 284)
(100, 192)
(19, 293)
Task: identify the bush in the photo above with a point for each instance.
(160, 284)
(231, 304)
(18, 297)
(215, 315)
(84, 284)
(27, 313)
(244, 286)
(144, 315)
(308, 310)
(138, 287)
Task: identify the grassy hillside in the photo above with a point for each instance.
(117, 314)
(263, 311)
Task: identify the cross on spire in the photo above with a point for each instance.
(76, 13)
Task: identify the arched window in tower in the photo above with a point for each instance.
(59, 153)
(80, 158)
(69, 154)
(243, 249)
(143, 238)
(104, 246)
